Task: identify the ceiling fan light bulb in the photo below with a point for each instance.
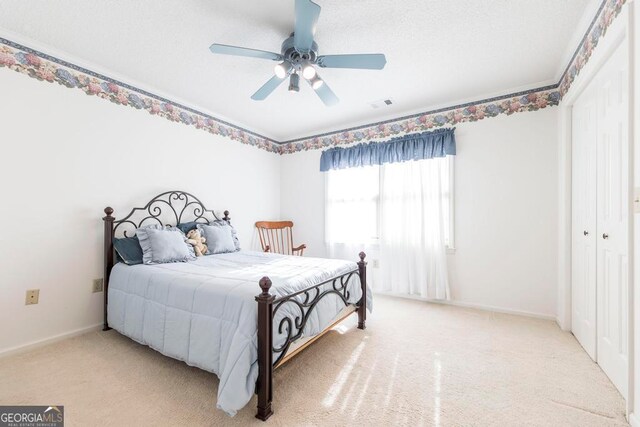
(294, 83)
(308, 72)
(281, 70)
(316, 83)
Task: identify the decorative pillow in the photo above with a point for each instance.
(128, 249)
(187, 226)
(234, 233)
(164, 244)
(219, 238)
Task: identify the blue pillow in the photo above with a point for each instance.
(187, 226)
(162, 245)
(128, 250)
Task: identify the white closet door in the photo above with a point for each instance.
(612, 218)
(584, 236)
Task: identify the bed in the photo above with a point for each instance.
(206, 312)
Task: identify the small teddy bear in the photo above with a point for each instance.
(197, 241)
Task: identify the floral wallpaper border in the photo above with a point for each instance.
(53, 70)
(509, 104)
(608, 11)
(48, 68)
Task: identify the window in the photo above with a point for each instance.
(353, 199)
(353, 203)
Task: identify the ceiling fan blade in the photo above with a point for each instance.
(244, 51)
(367, 61)
(266, 89)
(326, 94)
(307, 13)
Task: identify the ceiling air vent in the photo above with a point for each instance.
(381, 103)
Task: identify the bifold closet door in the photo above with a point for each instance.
(584, 239)
(613, 218)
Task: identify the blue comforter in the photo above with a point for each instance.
(204, 312)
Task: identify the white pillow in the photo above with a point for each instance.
(234, 234)
(219, 238)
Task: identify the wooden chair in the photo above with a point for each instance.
(277, 237)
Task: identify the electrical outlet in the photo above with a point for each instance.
(636, 201)
(376, 263)
(32, 296)
(98, 285)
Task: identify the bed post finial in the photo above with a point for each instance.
(265, 285)
(362, 305)
(108, 259)
(265, 350)
(226, 216)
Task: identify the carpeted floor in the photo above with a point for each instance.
(416, 364)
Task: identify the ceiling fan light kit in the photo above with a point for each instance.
(299, 54)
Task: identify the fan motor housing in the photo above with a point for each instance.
(290, 53)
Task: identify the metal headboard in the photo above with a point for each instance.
(169, 208)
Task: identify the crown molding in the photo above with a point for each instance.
(44, 67)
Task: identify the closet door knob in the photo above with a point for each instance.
(605, 236)
(586, 233)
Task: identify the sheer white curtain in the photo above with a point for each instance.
(352, 202)
(399, 214)
(414, 209)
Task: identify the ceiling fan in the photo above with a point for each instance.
(299, 56)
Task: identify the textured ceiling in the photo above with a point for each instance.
(438, 52)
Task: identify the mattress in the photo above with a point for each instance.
(204, 312)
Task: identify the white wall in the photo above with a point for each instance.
(302, 199)
(65, 156)
(506, 213)
(506, 205)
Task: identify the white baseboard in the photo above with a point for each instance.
(633, 420)
(40, 343)
(564, 326)
(475, 306)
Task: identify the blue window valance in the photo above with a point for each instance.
(417, 146)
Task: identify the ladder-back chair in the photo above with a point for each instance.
(277, 237)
